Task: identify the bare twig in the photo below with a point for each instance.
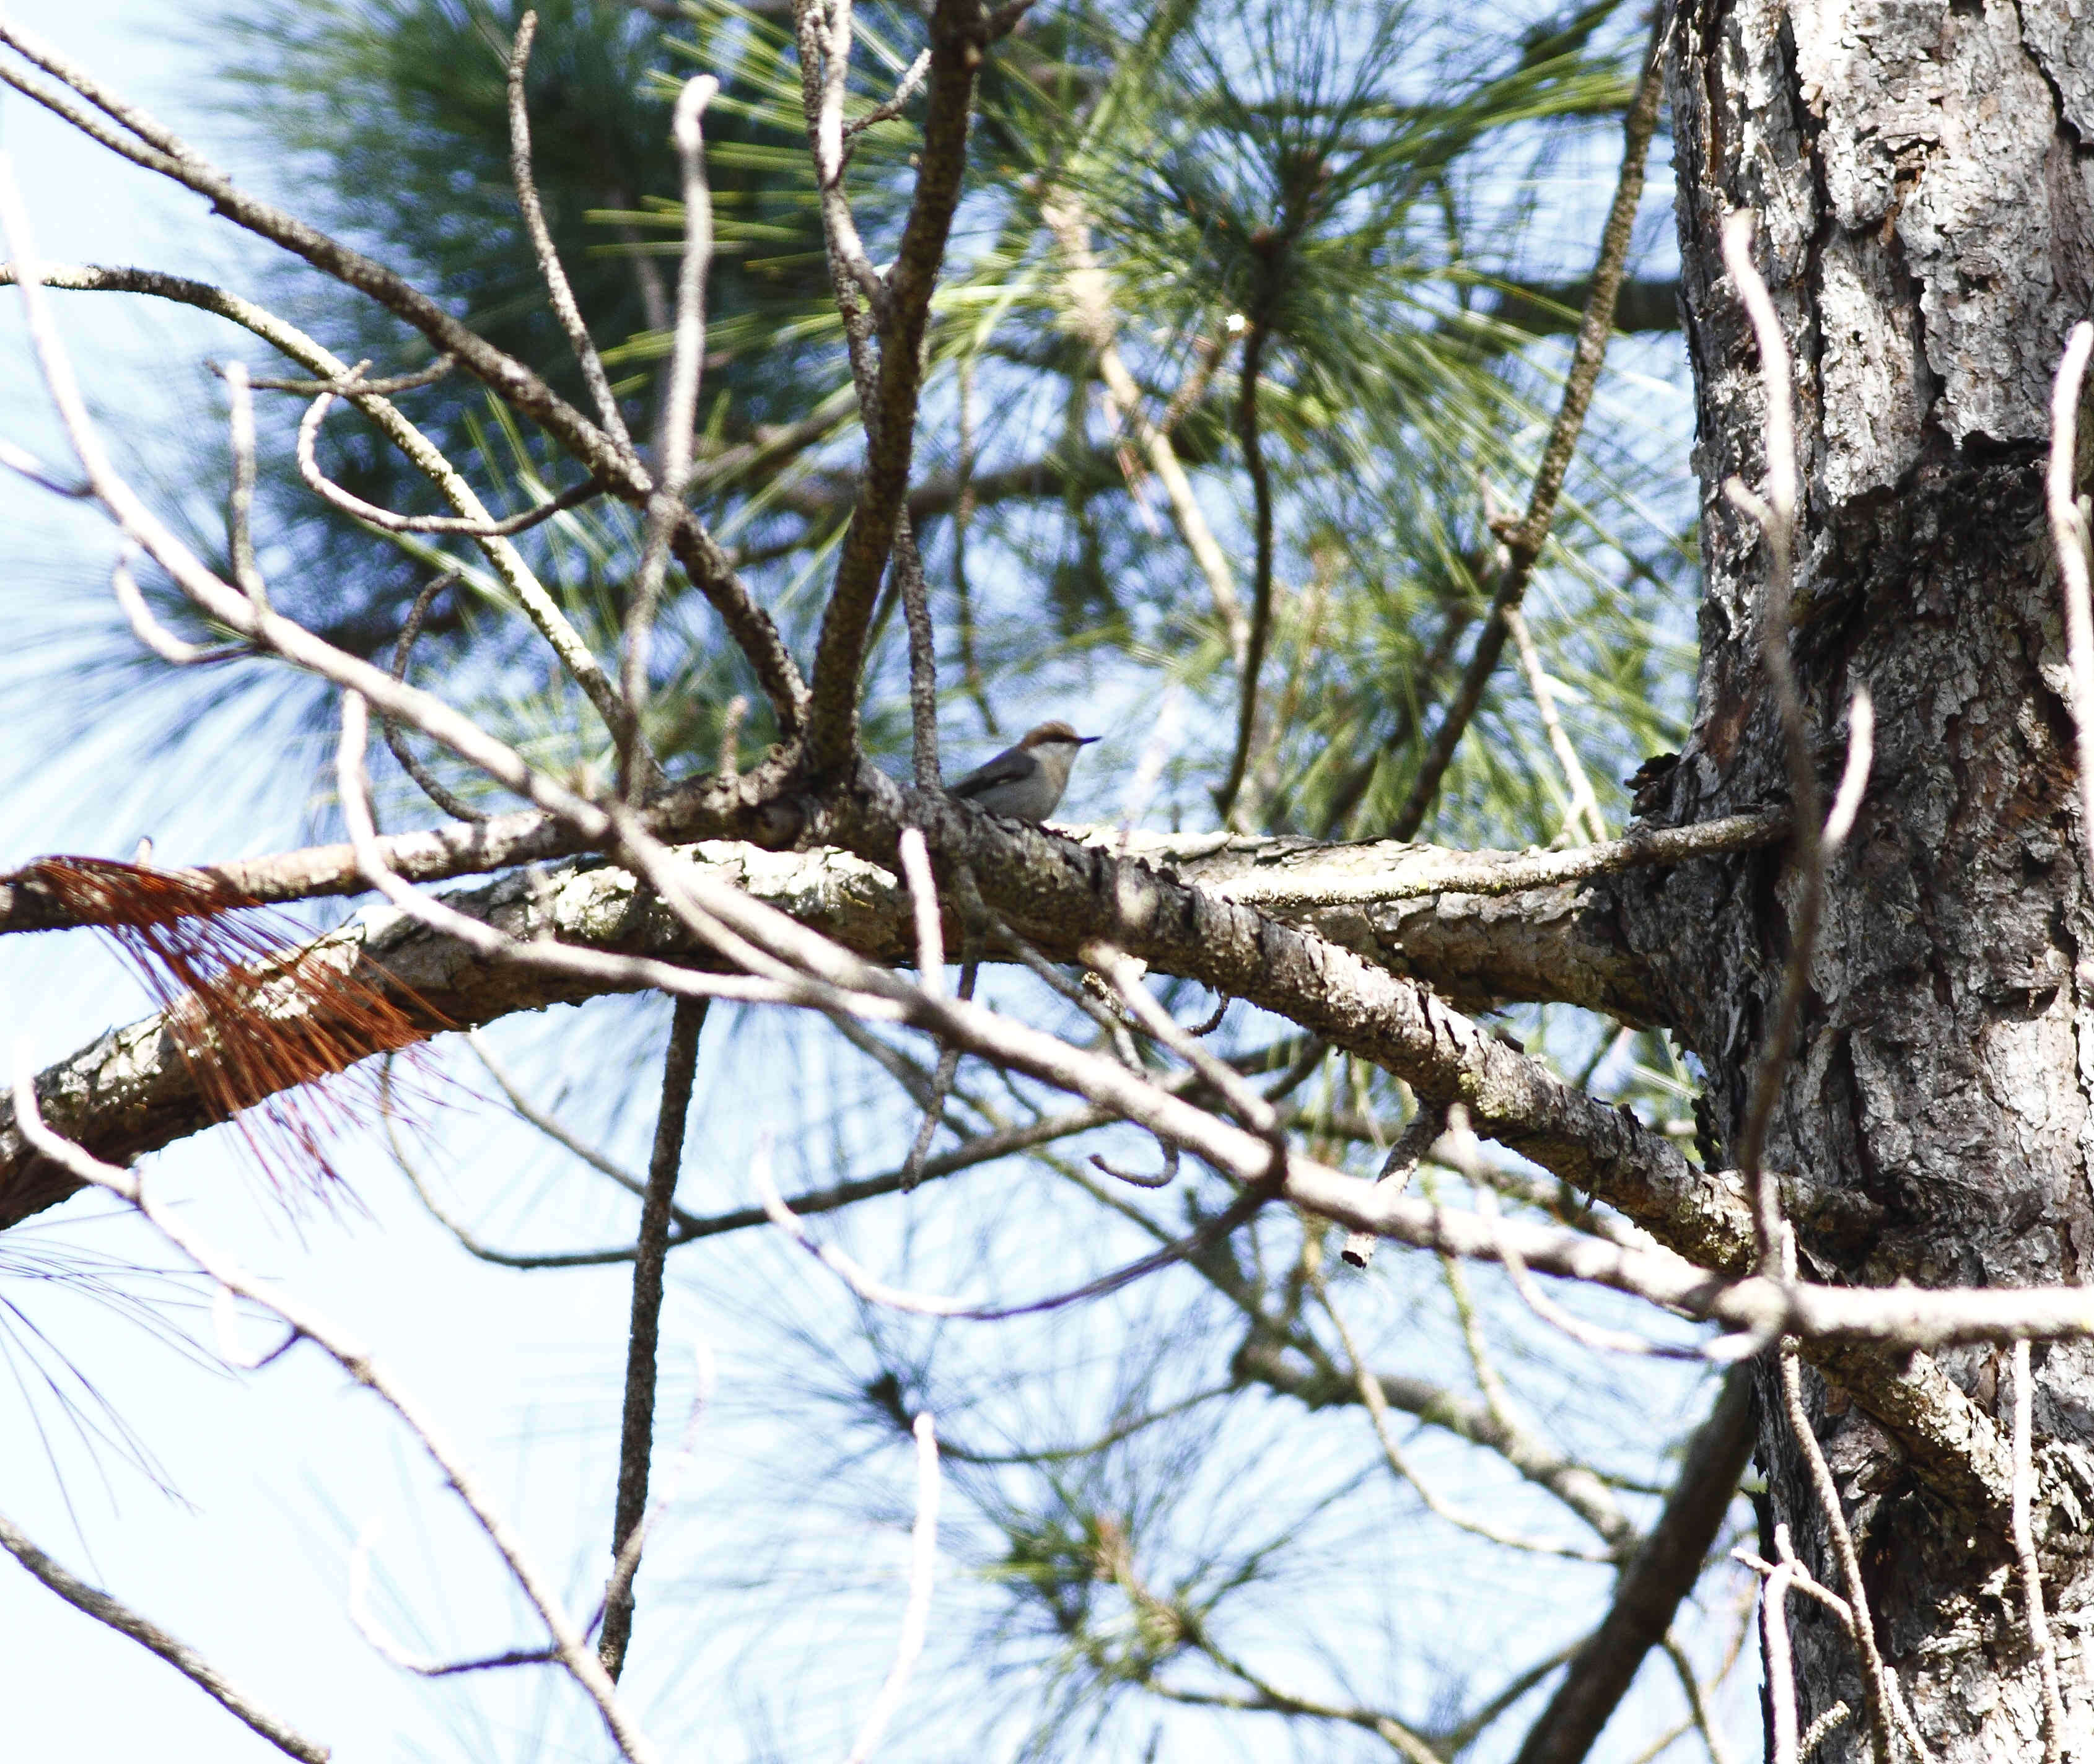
(357, 384)
(1660, 1574)
(680, 407)
(1584, 805)
(1697, 1703)
(1780, 1665)
(182, 1657)
(2039, 1626)
(430, 785)
(1854, 779)
(908, 574)
(912, 83)
(923, 903)
(1426, 1125)
(1524, 543)
(350, 503)
(148, 630)
(226, 604)
(240, 502)
(1243, 1102)
(20, 459)
(618, 1588)
(636, 1444)
(390, 1651)
(1468, 1159)
(776, 985)
(1775, 515)
(576, 1655)
(1873, 1673)
(1251, 662)
(225, 1320)
(1801, 1580)
(707, 564)
(963, 515)
(1823, 1729)
(556, 287)
(2069, 534)
(916, 1617)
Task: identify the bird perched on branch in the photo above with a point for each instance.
(1025, 782)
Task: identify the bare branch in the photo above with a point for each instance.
(556, 287)
(182, 1657)
(349, 385)
(1523, 542)
(148, 630)
(1780, 1663)
(636, 1444)
(576, 1655)
(1660, 1575)
(2069, 534)
(1854, 779)
(959, 38)
(916, 1620)
(426, 781)
(508, 563)
(2038, 1626)
(637, 769)
(1875, 1699)
(1252, 661)
(923, 903)
(1776, 516)
(702, 556)
(467, 525)
(239, 504)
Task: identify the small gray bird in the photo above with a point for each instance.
(1025, 782)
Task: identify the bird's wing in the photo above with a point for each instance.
(1004, 769)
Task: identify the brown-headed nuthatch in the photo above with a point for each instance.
(1025, 782)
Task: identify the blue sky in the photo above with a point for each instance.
(277, 1473)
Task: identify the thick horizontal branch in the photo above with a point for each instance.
(1063, 895)
(1452, 918)
(131, 1092)
(1329, 988)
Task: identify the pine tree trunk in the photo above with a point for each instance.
(1926, 226)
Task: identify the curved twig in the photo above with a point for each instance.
(332, 493)
(558, 289)
(430, 785)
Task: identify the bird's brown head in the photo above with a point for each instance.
(1053, 732)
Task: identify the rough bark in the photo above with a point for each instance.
(1926, 209)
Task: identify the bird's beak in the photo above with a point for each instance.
(1084, 741)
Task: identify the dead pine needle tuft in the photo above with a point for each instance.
(270, 1024)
